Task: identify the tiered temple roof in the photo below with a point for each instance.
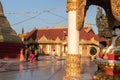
(51, 34)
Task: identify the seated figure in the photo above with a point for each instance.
(113, 51)
(114, 45)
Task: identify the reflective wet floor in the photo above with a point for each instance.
(43, 69)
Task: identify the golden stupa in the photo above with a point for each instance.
(7, 34)
(10, 42)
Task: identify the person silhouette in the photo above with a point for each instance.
(53, 55)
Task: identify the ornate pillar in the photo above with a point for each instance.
(48, 49)
(73, 55)
(58, 49)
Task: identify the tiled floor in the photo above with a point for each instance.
(43, 69)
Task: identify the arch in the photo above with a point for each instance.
(77, 11)
(110, 7)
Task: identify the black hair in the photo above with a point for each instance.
(115, 27)
(103, 43)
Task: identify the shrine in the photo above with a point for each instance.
(10, 43)
(110, 64)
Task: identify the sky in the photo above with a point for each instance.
(30, 14)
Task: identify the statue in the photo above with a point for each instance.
(114, 46)
(102, 24)
(109, 59)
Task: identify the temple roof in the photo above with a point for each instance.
(53, 33)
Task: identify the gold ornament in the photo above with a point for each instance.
(72, 67)
(79, 7)
(115, 6)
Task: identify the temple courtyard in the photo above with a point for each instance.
(43, 69)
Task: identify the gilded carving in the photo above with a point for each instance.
(71, 5)
(99, 75)
(108, 65)
(102, 24)
(79, 7)
(80, 13)
(115, 6)
(72, 67)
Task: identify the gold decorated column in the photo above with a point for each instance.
(75, 15)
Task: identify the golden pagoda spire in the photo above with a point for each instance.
(1, 9)
(7, 34)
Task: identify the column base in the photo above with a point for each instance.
(72, 67)
(71, 78)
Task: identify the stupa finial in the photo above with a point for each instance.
(1, 9)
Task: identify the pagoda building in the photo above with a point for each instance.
(48, 39)
(10, 42)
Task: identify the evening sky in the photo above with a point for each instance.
(30, 14)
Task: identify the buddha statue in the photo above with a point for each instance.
(109, 60)
(113, 51)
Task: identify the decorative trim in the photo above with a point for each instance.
(100, 75)
(71, 5)
(80, 13)
(79, 7)
(108, 65)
